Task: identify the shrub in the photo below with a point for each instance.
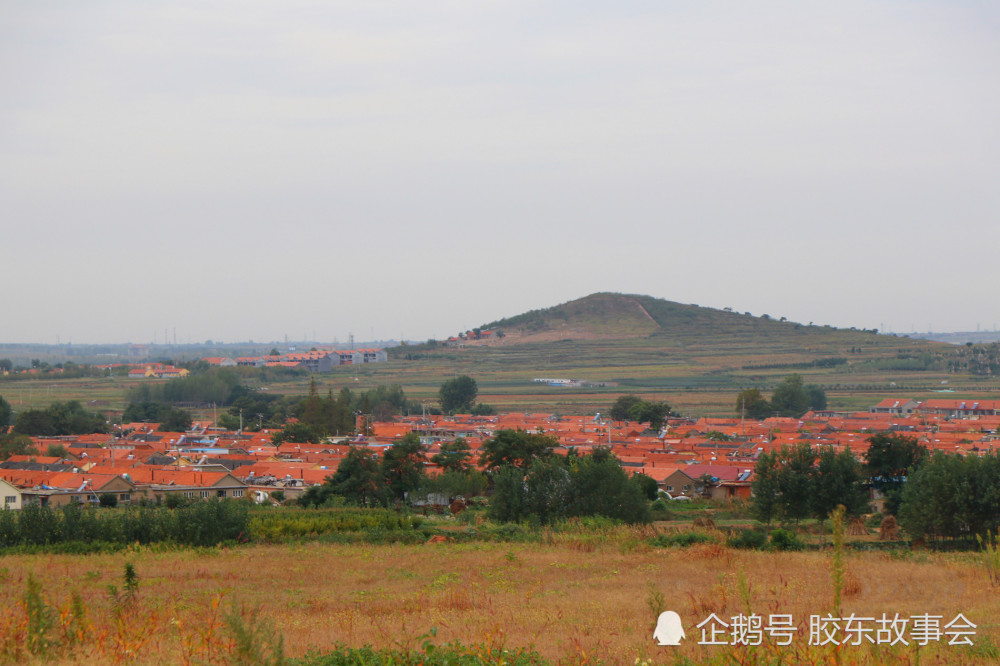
(754, 539)
(785, 540)
(683, 539)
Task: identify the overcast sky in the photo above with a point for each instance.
(246, 170)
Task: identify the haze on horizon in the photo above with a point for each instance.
(247, 170)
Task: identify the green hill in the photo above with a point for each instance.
(606, 316)
(695, 358)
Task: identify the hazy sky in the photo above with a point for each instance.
(245, 170)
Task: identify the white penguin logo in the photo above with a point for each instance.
(668, 629)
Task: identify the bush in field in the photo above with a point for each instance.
(785, 540)
(279, 526)
(684, 539)
(450, 654)
(748, 540)
(197, 524)
(659, 510)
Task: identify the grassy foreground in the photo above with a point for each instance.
(574, 598)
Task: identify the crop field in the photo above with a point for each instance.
(698, 376)
(591, 597)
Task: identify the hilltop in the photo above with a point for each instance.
(610, 316)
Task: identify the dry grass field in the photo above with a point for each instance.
(576, 599)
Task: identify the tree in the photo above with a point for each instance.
(790, 397)
(70, 418)
(952, 496)
(622, 407)
(403, 465)
(817, 397)
(888, 461)
(554, 488)
(56, 451)
(454, 455)
(508, 502)
(752, 404)
(174, 419)
(599, 486)
(453, 483)
(766, 488)
(5, 414)
(515, 447)
(837, 480)
(16, 445)
(37, 422)
(633, 408)
(647, 484)
(298, 433)
(547, 489)
(458, 394)
(794, 481)
(6, 365)
(144, 411)
(358, 478)
(654, 413)
(311, 409)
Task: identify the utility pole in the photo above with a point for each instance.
(743, 415)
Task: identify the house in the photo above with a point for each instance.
(672, 480)
(158, 370)
(11, 495)
(723, 482)
(220, 361)
(957, 409)
(64, 488)
(899, 406)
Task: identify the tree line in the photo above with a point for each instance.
(939, 495)
(191, 524)
(802, 482)
(527, 479)
(366, 479)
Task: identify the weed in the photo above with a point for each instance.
(40, 618)
(746, 592)
(991, 556)
(837, 559)
(124, 600)
(655, 599)
(255, 641)
(76, 626)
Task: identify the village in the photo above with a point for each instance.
(708, 457)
